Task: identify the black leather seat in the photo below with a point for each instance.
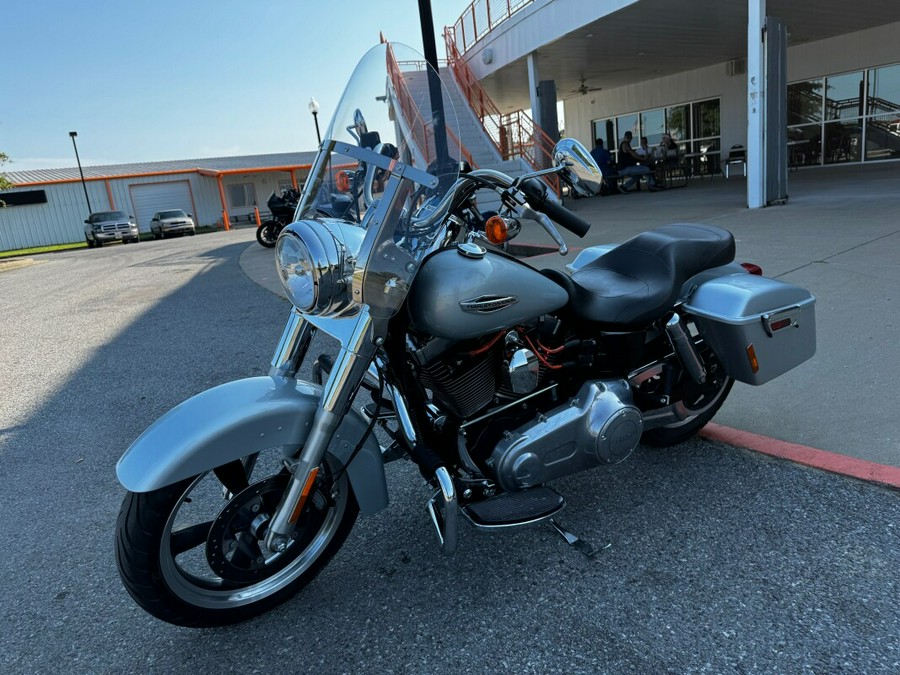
(639, 281)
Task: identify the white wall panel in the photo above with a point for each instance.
(59, 221)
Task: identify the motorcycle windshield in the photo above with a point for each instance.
(390, 155)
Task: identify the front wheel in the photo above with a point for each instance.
(267, 233)
(194, 553)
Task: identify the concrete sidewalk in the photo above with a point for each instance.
(838, 236)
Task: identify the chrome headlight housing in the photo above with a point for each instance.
(315, 261)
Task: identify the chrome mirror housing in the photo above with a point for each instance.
(579, 170)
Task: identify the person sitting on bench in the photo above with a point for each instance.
(628, 165)
(603, 157)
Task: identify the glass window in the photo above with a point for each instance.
(653, 126)
(842, 142)
(884, 89)
(243, 194)
(605, 129)
(695, 128)
(858, 119)
(706, 156)
(678, 121)
(706, 119)
(107, 216)
(805, 102)
(843, 96)
(805, 145)
(628, 123)
(883, 137)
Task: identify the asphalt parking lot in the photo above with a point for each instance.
(714, 559)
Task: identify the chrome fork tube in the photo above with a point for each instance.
(292, 346)
(349, 369)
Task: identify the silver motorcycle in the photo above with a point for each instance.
(493, 377)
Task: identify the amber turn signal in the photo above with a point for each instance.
(496, 230)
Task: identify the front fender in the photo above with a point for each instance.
(240, 418)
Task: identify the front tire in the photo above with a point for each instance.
(193, 553)
(267, 233)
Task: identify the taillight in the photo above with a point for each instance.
(752, 269)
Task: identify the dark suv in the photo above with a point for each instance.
(107, 226)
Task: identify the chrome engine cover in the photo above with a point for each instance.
(598, 426)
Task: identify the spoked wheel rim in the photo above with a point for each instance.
(268, 234)
(221, 562)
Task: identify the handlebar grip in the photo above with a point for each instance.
(569, 220)
(537, 197)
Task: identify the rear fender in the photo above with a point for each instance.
(241, 418)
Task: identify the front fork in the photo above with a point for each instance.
(357, 351)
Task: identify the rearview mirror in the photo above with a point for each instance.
(580, 172)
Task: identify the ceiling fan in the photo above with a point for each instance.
(584, 89)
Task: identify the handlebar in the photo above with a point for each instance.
(536, 193)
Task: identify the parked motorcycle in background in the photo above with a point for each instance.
(282, 207)
(493, 377)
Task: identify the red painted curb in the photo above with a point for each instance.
(818, 459)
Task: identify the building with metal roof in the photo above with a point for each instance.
(49, 206)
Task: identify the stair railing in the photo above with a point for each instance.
(513, 134)
(422, 130)
(480, 18)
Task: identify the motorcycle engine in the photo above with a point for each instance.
(465, 379)
(600, 425)
(460, 383)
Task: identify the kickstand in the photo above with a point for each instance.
(579, 545)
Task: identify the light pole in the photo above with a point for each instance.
(314, 109)
(73, 134)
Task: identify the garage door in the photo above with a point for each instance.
(149, 198)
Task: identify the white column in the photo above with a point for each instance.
(756, 93)
(533, 79)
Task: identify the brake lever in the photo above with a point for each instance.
(530, 214)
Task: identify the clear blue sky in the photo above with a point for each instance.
(143, 80)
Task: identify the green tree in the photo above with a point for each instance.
(4, 183)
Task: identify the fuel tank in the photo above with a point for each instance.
(465, 292)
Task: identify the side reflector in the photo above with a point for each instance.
(754, 363)
(303, 495)
(496, 230)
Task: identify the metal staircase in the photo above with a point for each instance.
(479, 149)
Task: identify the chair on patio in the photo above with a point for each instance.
(675, 173)
(737, 155)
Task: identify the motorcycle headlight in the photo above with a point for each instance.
(314, 260)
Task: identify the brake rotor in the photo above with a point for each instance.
(235, 546)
